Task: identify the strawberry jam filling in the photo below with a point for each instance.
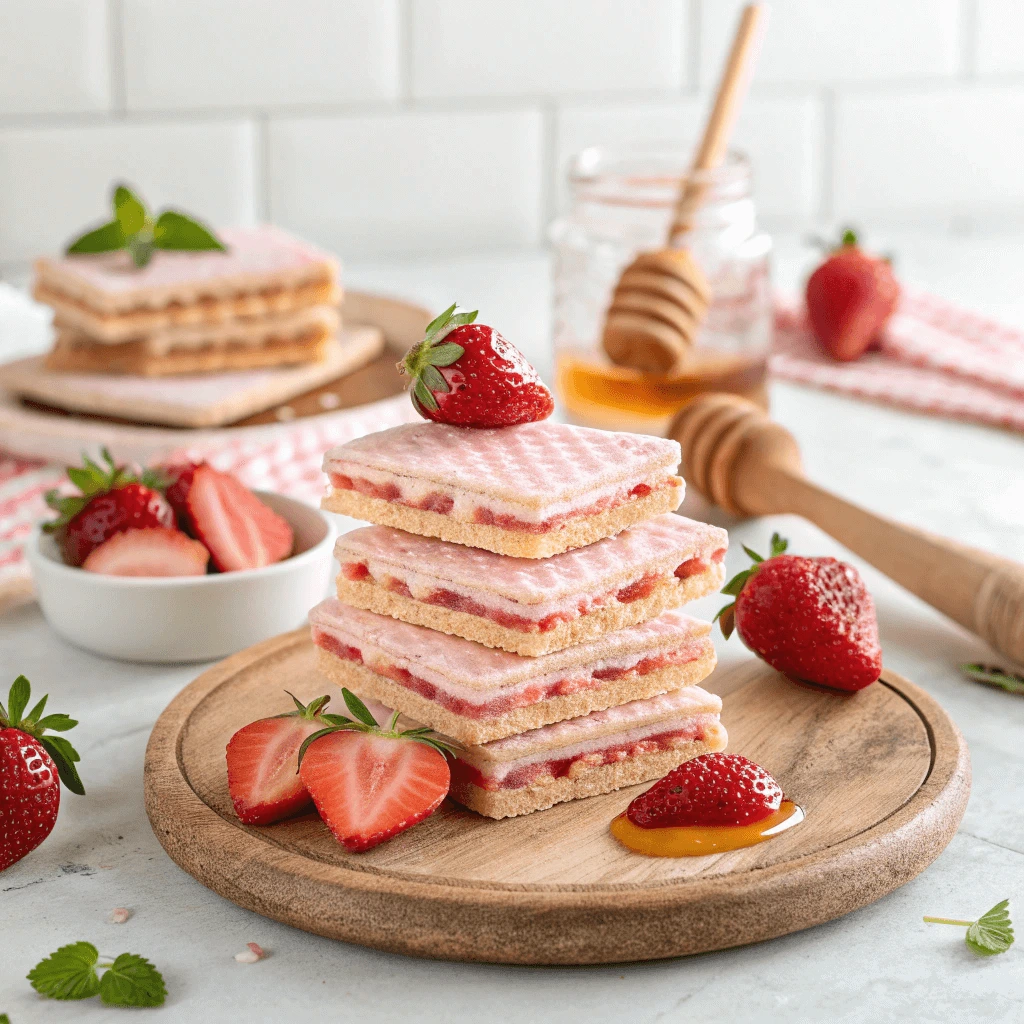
(561, 767)
(443, 504)
(639, 590)
(531, 693)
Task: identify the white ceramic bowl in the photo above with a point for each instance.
(187, 618)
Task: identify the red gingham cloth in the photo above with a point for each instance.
(934, 358)
(288, 463)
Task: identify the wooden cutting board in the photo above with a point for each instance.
(883, 776)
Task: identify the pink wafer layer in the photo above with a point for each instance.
(534, 586)
(466, 669)
(256, 257)
(535, 472)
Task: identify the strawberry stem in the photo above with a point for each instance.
(947, 920)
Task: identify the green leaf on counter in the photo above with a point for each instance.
(131, 980)
(990, 935)
(69, 973)
(994, 676)
(72, 972)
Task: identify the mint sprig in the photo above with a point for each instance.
(72, 972)
(990, 935)
(993, 676)
(423, 359)
(136, 231)
(362, 720)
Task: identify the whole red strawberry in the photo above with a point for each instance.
(468, 375)
(32, 766)
(111, 500)
(712, 789)
(810, 618)
(850, 299)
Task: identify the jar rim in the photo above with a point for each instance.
(653, 170)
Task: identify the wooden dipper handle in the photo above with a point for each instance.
(735, 455)
(728, 100)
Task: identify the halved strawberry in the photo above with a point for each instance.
(179, 481)
(155, 551)
(263, 766)
(240, 531)
(369, 783)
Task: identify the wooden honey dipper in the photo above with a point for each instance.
(662, 297)
(739, 459)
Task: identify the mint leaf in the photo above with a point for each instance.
(129, 212)
(357, 708)
(70, 973)
(4, 1019)
(176, 231)
(105, 239)
(131, 980)
(992, 933)
(140, 249)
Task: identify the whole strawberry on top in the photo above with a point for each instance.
(32, 767)
(467, 375)
(112, 500)
(712, 789)
(850, 299)
(810, 618)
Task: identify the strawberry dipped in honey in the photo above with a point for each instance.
(710, 804)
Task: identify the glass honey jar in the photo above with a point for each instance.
(621, 203)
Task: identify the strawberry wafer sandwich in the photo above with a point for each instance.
(520, 593)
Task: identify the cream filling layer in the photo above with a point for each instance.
(415, 490)
(694, 725)
(379, 660)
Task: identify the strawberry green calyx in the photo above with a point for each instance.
(35, 724)
(310, 712)
(362, 720)
(423, 359)
(92, 479)
(726, 617)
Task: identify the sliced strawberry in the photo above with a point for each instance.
(156, 551)
(179, 477)
(369, 783)
(240, 531)
(263, 765)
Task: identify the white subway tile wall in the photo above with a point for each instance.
(404, 126)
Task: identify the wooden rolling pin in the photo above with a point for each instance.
(738, 458)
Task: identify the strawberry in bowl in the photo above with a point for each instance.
(182, 563)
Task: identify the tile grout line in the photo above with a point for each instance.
(405, 55)
(827, 157)
(261, 168)
(968, 33)
(694, 24)
(990, 842)
(115, 41)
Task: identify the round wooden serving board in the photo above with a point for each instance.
(883, 776)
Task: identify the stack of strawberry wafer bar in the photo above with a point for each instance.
(520, 592)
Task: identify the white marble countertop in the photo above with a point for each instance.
(880, 963)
